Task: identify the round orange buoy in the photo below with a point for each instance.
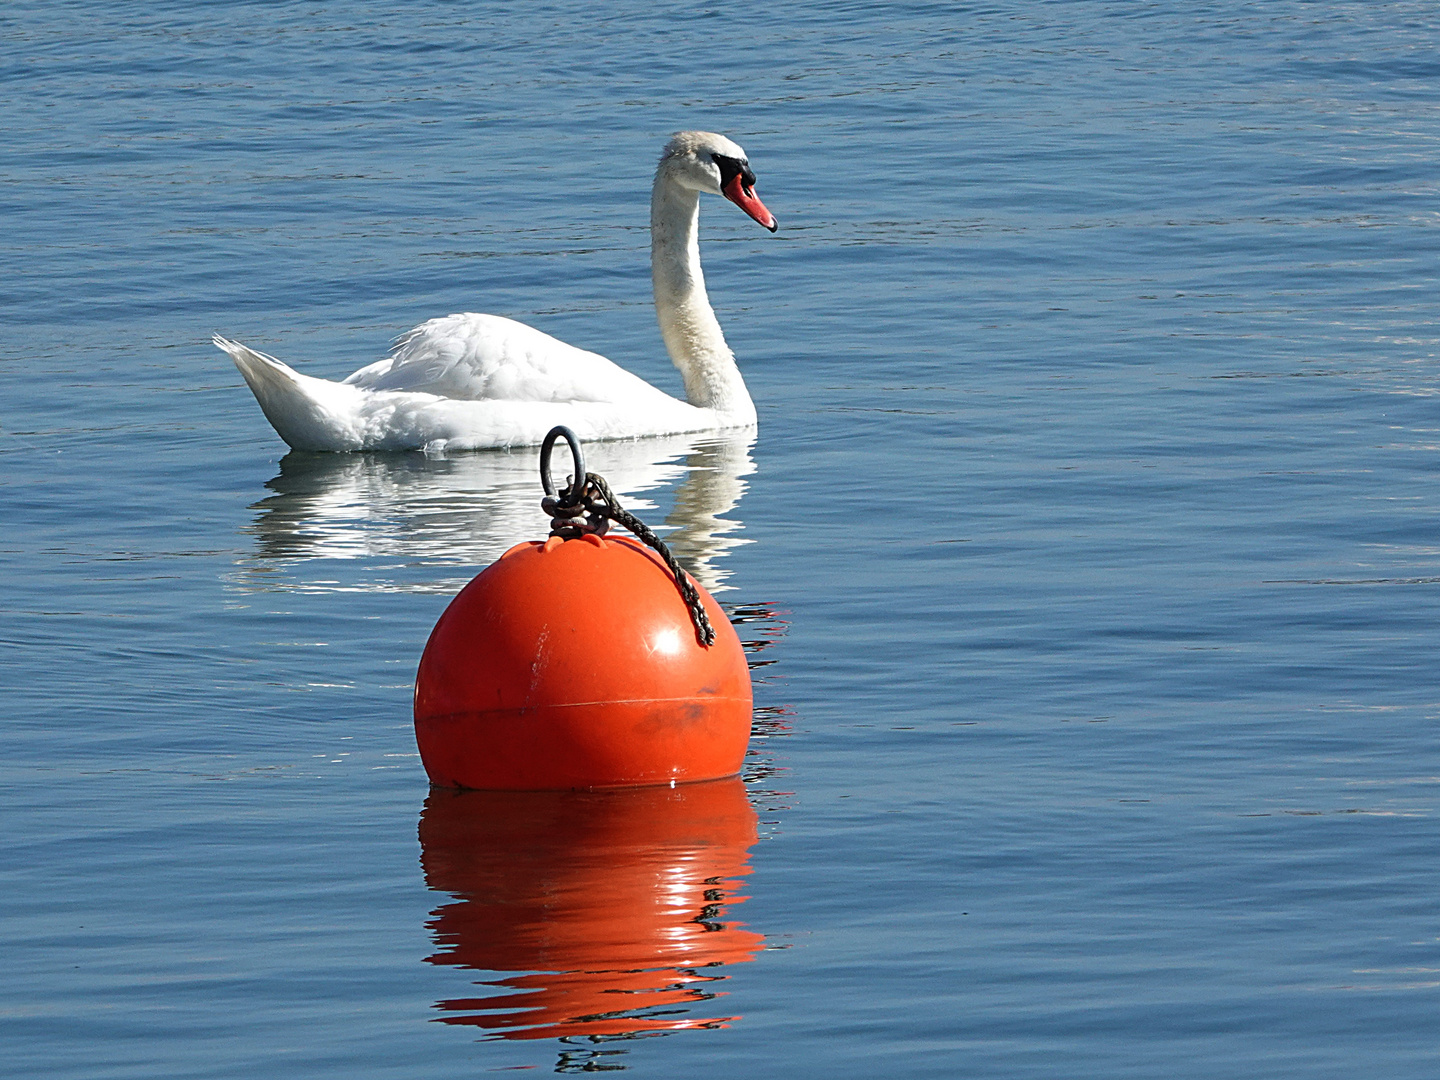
(574, 663)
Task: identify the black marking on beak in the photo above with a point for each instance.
(732, 167)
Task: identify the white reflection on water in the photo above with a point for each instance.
(466, 510)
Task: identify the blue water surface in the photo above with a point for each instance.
(1087, 552)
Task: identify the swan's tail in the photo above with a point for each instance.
(308, 413)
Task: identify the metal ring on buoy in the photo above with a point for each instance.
(577, 487)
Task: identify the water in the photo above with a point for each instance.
(1087, 550)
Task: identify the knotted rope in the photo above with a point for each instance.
(588, 506)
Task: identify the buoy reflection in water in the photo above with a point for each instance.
(612, 907)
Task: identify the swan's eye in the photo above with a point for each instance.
(732, 167)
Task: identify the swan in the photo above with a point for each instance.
(469, 381)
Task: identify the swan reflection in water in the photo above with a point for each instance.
(612, 908)
(466, 510)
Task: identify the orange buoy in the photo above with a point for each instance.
(574, 663)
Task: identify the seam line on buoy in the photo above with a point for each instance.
(578, 704)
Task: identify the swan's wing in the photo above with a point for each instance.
(473, 357)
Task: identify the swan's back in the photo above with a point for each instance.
(470, 357)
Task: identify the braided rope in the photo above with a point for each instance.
(592, 508)
(612, 509)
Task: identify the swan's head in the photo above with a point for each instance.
(704, 161)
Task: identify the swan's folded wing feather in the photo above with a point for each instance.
(472, 357)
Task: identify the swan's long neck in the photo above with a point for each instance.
(687, 322)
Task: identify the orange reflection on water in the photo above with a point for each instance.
(611, 906)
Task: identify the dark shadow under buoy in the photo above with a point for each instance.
(612, 908)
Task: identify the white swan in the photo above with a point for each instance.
(470, 381)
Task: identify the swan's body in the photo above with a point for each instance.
(473, 381)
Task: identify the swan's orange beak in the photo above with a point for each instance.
(746, 199)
